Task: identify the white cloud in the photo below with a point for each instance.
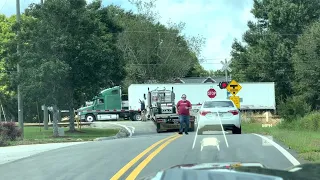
(219, 21)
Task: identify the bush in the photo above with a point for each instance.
(310, 122)
(8, 132)
(294, 108)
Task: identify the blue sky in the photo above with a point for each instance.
(219, 21)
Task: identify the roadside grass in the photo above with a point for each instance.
(37, 135)
(305, 142)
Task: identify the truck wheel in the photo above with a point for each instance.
(158, 127)
(137, 117)
(90, 118)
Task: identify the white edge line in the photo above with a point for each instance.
(130, 131)
(224, 134)
(292, 159)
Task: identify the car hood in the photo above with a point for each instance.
(303, 171)
(226, 165)
(204, 166)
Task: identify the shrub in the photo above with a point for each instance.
(294, 108)
(8, 132)
(310, 121)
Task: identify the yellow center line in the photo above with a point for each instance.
(125, 168)
(146, 161)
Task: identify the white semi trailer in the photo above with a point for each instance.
(253, 96)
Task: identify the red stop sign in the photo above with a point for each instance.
(211, 93)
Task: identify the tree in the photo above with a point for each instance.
(197, 71)
(306, 66)
(270, 41)
(7, 86)
(152, 50)
(69, 52)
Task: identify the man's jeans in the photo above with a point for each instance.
(184, 119)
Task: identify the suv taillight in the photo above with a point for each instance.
(234, 112)
(203, 113)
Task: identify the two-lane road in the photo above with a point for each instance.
(143, 155)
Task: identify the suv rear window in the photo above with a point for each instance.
(212, 104)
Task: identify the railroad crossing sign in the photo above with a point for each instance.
(226, 65)
(234, 87)
(236, 101)
(211, 93)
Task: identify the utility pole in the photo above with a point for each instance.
(226, 74)
(41, 1)
(20, 102)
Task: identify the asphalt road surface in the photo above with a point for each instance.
(128, 158)
(139, 127)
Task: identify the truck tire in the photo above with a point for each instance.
(137, 117)
(158, 127)
(90, 118)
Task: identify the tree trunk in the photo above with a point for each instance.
(59, 115)
(71, 119)
(45, 117)
(71, 115)
(55, 121)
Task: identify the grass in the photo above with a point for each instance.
(37, 135)
(305, 143)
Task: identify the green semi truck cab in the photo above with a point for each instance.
(109, 104)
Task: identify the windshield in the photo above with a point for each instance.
(121, 89)
(213, 104)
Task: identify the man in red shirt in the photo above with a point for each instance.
(183, 109)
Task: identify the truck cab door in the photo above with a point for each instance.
(99, 104)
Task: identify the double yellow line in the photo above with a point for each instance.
(146, 161)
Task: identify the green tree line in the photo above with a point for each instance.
(282, 46)
(70, 50)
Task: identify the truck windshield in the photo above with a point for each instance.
(124, 97)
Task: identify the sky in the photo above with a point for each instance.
(219, 21)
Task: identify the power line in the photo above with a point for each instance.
(3, 5)
(263, 63)
(271, 63)
(166, 32)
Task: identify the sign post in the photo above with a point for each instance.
(234, 87)
(226, 68)
(211, 93)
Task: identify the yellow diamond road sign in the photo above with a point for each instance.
(234, 87)
(236, 101)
